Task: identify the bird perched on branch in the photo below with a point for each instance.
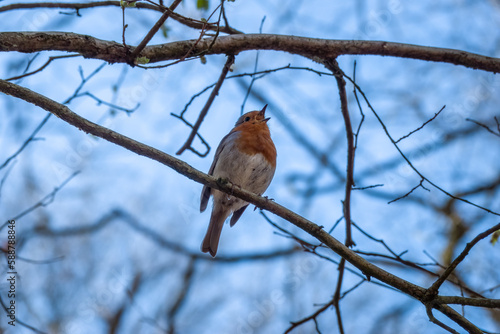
(247, 158)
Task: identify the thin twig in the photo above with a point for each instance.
(27, 141)
(124, 27)
(182, 295)
(41, 68)
(337, 295)
(311, 48)
(356, 135)
(408, 160)
(21, 258)
(46, 200)
(433, 290)
(187, 21)
(309, 318)
(84, 80)
(5, 176)
(433, 319)
(411, 191)
(114, 106)
(333, 66)
(19, 321)
(487, 127)
(153, 31)
(368, 187)
(421, 127)
(204, 111)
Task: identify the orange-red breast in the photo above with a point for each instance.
(247, 157)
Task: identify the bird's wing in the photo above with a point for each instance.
(236, 215)
(207, 191)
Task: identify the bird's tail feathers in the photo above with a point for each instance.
(211, 240)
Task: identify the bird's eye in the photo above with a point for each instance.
(247, 119)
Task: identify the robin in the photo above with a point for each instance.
(247, 157)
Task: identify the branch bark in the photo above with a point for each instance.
(313, 48)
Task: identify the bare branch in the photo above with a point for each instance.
(181, 297)
(111, 105)
(309, 318)
(337, 295)
(313, 48)
(439, 323)
(204, 111)
(26, 142)
(189, 22)
(433, 290)
(333, 66)
(408, 160)
(41, 68)
(153, 31)
(422, 126)
(20, 322)
(420, 185)
(49, 198)
(480, 302)
(486, 127)
(123, 216)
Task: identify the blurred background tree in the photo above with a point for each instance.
(108, 241)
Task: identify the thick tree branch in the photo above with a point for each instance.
(313, 48)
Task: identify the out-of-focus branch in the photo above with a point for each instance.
(337, 295)
(26, 142)
(182, 296)
(46, 200)
(20, 322)
(313, 48)
(114, 321)
(123, 216)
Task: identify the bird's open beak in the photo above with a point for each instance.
(263, 114)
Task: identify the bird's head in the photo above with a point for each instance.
(254, 117)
